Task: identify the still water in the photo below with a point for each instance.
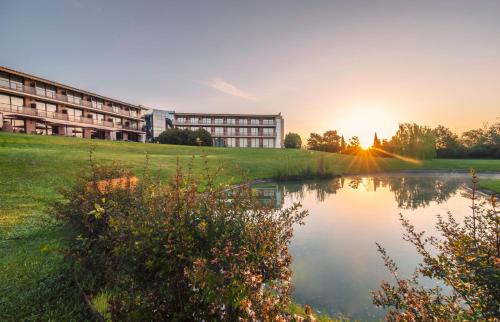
(335, 261)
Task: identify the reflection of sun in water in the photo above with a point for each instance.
(364, 122)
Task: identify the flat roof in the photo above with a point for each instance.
(227, 114)
(18, 73)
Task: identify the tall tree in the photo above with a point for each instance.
(376, 141)
(447, 143)
(315, 142)
(343, 145)
(293, 141)
(331, 141)
(414, 141)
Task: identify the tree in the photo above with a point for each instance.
(315, 142)
(376, 142)
(447, 143)
(354, 146)
(342, 144)
(200, 137)
(293, 141)
(331, 141)
(466, 258)
(415, 141)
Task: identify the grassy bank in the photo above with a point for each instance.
(491, 185)
(35, 285)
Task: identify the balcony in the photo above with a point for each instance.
(64, 99)
(237, 124)
(28, 111)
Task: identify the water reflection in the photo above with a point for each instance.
(410, 192)
(335, 263)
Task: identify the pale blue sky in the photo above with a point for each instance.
(320, 63)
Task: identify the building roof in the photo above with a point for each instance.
(18, 73)
(227, 114)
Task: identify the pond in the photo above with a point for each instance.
(335, 261)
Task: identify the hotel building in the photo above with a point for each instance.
(33, 105)
(30, 104)
(227, 130)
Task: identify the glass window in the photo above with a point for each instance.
(254, 121)
(268, 131)
(243, 142)
(231, 142)
(40, 89)
(231, 131)
(255, 143)
(16, 82)
(243, 131)
(268, 143)
(51, 108)
(16, 101)
(231, 121)
(208, 129)
(193, 120)
(219, 131)
(254, 131)
(206, 120)
(50, 91)
(243, 121)
(181, 120)
(268, 122)
(219, 121)
(4, 100)
(4, 79)
(40, 106)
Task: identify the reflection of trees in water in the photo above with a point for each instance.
(410, 192)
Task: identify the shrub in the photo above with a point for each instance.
(466, 259)
(293, 141)
(166, 251)
(200, 137)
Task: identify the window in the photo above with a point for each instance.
(181, 120)
(16, 82)
(254, 143)
(254, 121)
(4, 79)
(268, 131)
(73, 97)
(231, 121)
(97, 103)
(243, 131)
(243, 142)
(219, 131)
(206, 120)
(193, 120)
(219, 121)
(40, 89)
(268, 122)
(116, 108)
(254, 131)
(194, 128)
(231, 131)
(268, 143)
(231, 142)
(16, 101)
(243, 121)
(208, 129)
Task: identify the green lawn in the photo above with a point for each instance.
(36, 286)
(491, 184)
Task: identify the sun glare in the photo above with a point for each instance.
(365, 122)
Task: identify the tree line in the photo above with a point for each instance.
(412, 140)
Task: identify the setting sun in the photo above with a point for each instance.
(365, 122)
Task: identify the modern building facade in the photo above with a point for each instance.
(235, 130)
(30, 104)
(157, 121)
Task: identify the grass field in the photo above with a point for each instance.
(492, 185)
(36, 285)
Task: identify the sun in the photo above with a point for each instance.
(364, 123)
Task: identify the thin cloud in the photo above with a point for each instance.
(226, 88)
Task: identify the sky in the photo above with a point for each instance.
(355, 66)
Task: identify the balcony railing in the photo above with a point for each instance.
(64, 98)
(62, 116)
(201, 123)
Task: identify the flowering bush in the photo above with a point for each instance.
(466, 259)
(169, 251)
